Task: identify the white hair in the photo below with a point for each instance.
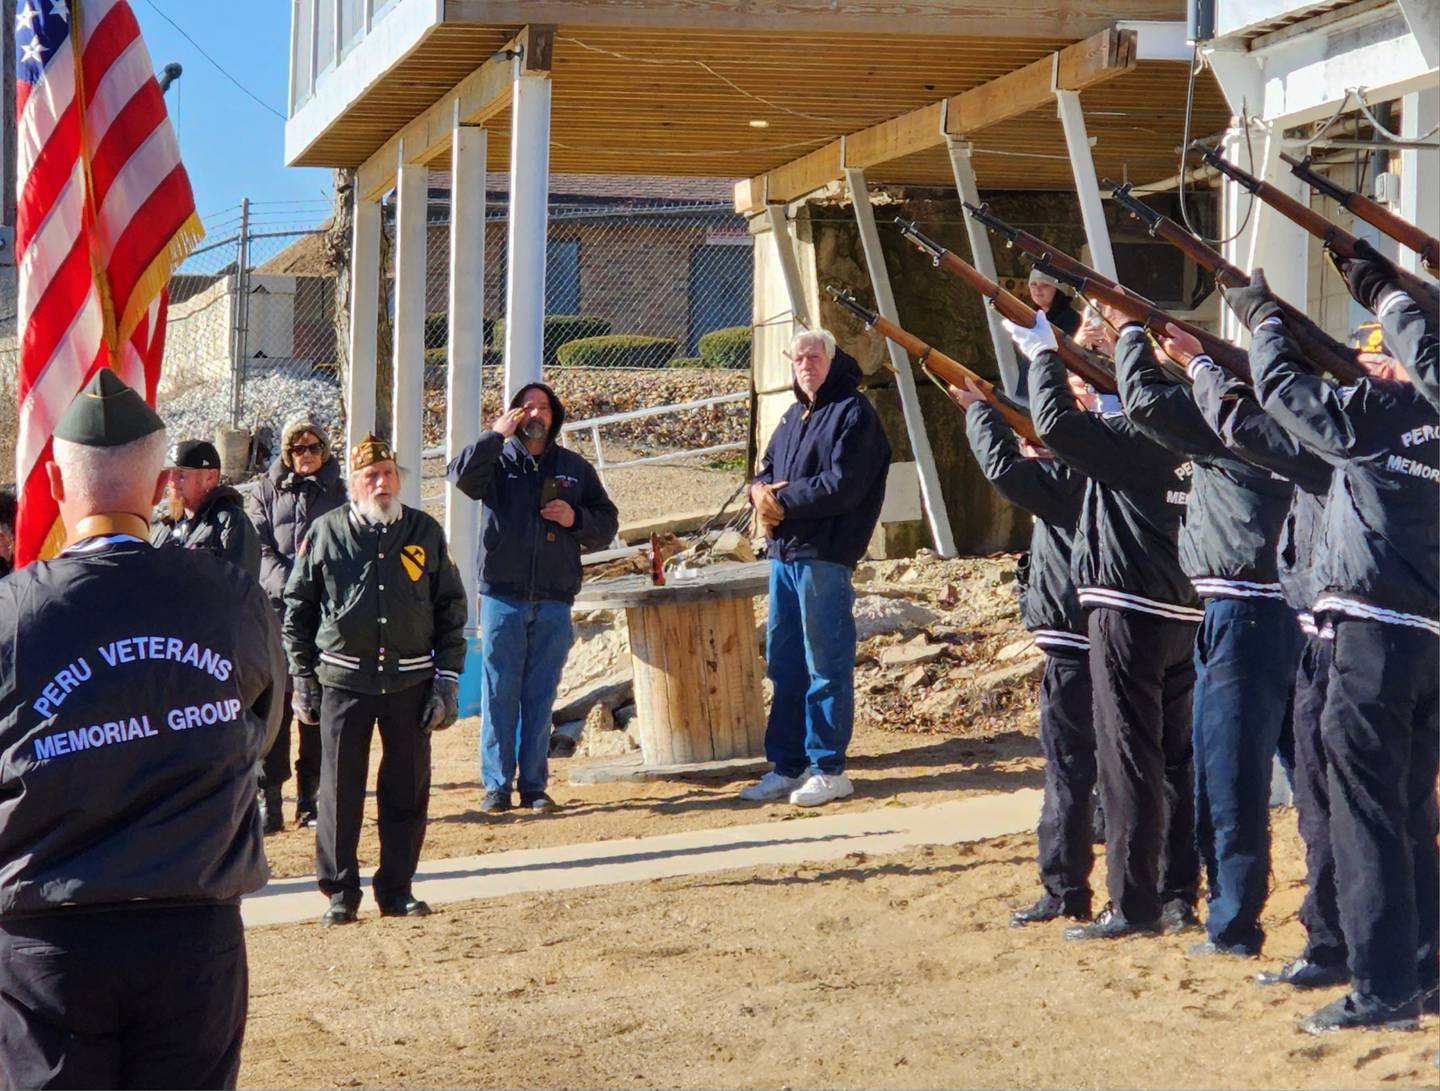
(825, 337)
(104, 477)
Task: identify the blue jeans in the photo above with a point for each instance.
(524, 646)
(810, 652)
(1245, 658)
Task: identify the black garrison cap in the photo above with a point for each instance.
(107, 413)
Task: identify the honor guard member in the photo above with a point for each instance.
(1234, 413)
(1247, 648)
(129, 733)
(1381, 723)
(204, 513)
(1410, 324)
(1141, 625)
(1033, 479)
(375, 630)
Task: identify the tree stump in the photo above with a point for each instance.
(697, 668)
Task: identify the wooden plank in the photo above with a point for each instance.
(804, 175)
(1016, 19)
(1098, 58)
(483, 93)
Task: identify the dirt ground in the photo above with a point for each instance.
(875, 972)
(893, 972)
(951, 733)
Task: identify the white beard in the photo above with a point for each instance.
(372, 511)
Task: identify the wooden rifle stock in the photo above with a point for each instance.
(1335, 238)
(1323, 350)
(1089, 366)
(943, 367)
(1376, 215)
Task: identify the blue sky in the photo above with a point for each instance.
(232, 146)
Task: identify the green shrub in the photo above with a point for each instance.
(440, 357)
(437, 329)
(618, 350)
(560, 329)
(727, 348)
(686, 361)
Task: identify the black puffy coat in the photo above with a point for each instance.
(282, 508)
(219, 527)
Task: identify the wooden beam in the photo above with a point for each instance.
(897, 138)
(480, 95)
(1084, 64)
(1048, 19)
(1074, 68)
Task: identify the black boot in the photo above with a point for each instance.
(307, 814)
(1049, 908)
(1304, 973)
(1109, 924)
(272, 818)
(1354, 1010)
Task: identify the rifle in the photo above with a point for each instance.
(1326, 352)
(1075, 272)
(1090, 366)
(1374, 214)
(1147, 314)
(1335, 239)
(941, 367)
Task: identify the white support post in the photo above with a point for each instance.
(1087, 186)
(983, 258)
(1235, 202)
(935, 512)
(408, 360)
(789, 266)
(467, 341)
(1419, 171)
(364, 310)
(529, 214)
(1278, 245)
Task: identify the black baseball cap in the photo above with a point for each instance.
(194, 454)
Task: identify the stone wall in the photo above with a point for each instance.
(945, 314)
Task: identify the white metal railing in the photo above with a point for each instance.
(594, 424)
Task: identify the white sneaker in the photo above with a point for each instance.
(770, 787)
(822, 788)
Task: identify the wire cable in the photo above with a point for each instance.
(217, 65)
(1185, 150)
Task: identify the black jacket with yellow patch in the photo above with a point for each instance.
(375, 608)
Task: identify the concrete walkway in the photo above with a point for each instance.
(830, 835)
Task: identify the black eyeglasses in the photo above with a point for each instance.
(307, 448)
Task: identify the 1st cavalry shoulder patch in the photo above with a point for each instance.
(412, 559)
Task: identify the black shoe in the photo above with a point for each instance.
(406, 907)
(1304, 974)
(1234, 950)
(272, 811)
(1109, 924)
(1049, 908)
(307, 815)
(540, 803)
(1178, 916)
(338, 913)
(496, 802)
(1354, 1010)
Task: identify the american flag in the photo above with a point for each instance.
(104, 214)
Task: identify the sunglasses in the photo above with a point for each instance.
(307, 448)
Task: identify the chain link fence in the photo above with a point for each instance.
(648, 298)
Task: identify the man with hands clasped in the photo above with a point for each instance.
(542, 506)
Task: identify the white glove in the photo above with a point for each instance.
(1032, 342)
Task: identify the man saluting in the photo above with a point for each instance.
(129, 735)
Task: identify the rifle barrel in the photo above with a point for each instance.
(1372, 212)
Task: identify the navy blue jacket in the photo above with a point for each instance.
(523, 556)
(834, 456)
